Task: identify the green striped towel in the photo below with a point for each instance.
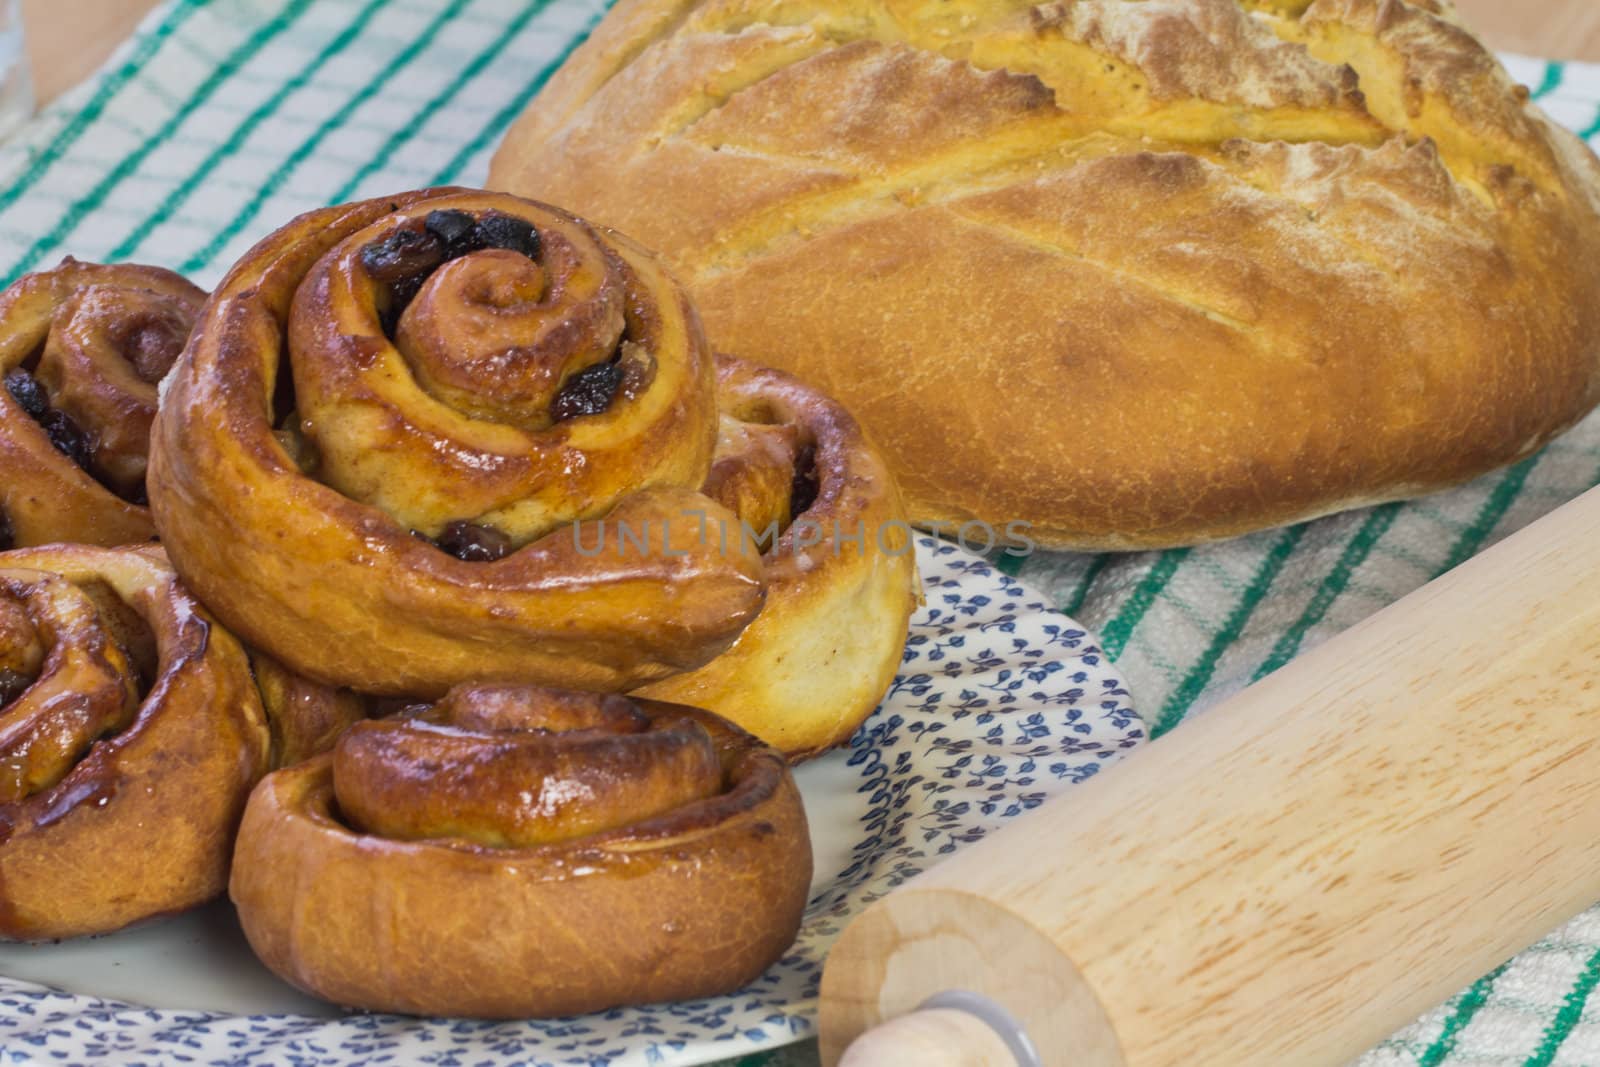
(222, 118)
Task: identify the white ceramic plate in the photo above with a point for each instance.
(1001, 703)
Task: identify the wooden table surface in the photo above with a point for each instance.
(1554, 29)
(67, 39)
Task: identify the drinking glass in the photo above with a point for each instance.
(16, 87)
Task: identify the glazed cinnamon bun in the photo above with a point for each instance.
(514, 852)
(452, 436)
(837, 557)
(401, 421)
(130, 736)
(82, 348)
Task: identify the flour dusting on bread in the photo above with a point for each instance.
(1209, 49)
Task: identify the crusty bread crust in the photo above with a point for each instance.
(1141, 274)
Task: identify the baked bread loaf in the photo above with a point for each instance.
(130, 736)
(837, 558)
(82, 348)
(512, 852)
(1137, 273)
(451, 436)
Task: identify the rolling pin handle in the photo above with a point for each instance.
(951, 1029)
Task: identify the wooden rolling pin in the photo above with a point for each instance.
(1292, 876)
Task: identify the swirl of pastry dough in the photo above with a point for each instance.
(513, 851)
(82, 348)
(130, 736)
(401, 421)
(841, 576)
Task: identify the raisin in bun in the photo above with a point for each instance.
(82, 349)
(1137, 273)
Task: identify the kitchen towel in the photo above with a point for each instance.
(221, 119)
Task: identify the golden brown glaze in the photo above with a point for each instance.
(127, 748)
(87, 687)
(512, 775)
(84, 345)
(306, 717)
(1139, 273)
(841, 573)
(302, 516)
(514, 852)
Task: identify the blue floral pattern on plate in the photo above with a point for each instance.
(1001, 703)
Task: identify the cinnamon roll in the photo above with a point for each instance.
(837, 553)
(512, 852)
(82, 348)
(130, 736)
(400, 423)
